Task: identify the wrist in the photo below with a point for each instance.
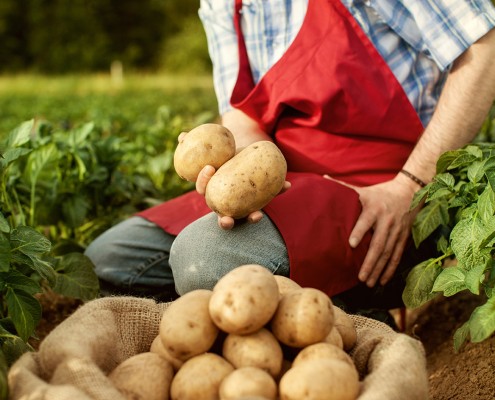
(418, 181)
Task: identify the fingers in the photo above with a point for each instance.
(226, 223)
(385, 251)
(286, 187)
(204, 177)
(255, 217)
(181, 137)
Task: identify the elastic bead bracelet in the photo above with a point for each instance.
(413, 178)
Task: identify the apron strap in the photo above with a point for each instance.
(245, 82)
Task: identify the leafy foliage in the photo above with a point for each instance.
(460, 203)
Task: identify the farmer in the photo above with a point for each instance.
(362, 97)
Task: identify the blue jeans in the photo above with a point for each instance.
(137, 257)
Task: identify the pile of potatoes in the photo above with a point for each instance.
(244, 182)
(254, 336)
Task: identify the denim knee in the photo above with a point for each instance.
(131, 254)
(203, 252)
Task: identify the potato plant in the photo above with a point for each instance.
(459, 203)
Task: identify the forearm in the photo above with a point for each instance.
(245, 129)
(466, 99)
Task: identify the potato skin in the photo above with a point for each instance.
(244, 300)
(320, 380)
(303, 317)
(248, 382)
(323, 351)
(200, 378)
(186, 328)
(144, 376)
(248, 181)
(207, 144)
(345, 325)
(259, 349)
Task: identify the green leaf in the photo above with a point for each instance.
(482, 321)
(76, 277)
(450, 281)
(4, 224)
(13, 348)
(486, 204)
(75, 210)
(446, 159)
(21, 134)
(476, 171)
(28, 241)
(11, 155)
(419, 283)
(465, 240)
(445, 180)
(24, 310)
(419, 196)
(40, 160)
(429, 219)
(490, 176)
(462, 160)
(5, 253)
(443, 245)
(475, 277)
(18, 281)
(461, 335)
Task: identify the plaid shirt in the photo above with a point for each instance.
(418, 39)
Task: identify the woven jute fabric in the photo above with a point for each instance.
(74, 360)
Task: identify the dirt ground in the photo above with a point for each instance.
(467, 375)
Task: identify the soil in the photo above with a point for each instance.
(466, 375)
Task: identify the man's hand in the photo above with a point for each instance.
(385, 210)
(226, 222)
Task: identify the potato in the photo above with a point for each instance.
(186, 328)
(145, 376)
(259, 349)
(346, 328)
(320, 380)
(285, 284)
(207, 144)
(322, 351)
(248, 181)
(303, 317)
(244, 299)
(334, 338)
(248, 382)
(200, 378)
(157, 348)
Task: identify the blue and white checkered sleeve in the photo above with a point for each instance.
(449, 27)
(218, 22)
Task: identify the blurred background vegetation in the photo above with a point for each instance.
(61, 36)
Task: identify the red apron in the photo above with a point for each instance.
(333, 107)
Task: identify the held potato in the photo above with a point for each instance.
(320, 380)
(186, 328)
(345, 325)
(248, 181)
(145, 376)
(248, 382)
(200, 378)
(259, 349)
(244, 299)
(207, 144)
(303, 317)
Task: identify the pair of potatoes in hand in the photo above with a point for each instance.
(244, 182)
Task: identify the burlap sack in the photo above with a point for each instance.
(74, 360)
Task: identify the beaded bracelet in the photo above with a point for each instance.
(413, 178)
